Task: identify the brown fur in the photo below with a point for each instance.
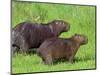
(30, 35)
(58, 48)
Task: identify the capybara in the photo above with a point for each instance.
(28, 35)
(59, 48)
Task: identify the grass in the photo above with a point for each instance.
(82, 21)
(33, 63)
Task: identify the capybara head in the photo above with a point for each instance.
(59, 26)
(82, 39)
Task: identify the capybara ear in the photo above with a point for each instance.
(76, 34)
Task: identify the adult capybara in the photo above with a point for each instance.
(30, 35)
(59, 48)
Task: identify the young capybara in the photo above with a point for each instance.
(59, 48)
(30, 35)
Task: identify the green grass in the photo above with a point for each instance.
(33, 63)
(82, 21)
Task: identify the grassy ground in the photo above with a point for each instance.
(82, 21)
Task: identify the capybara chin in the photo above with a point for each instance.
(28, 35)
(59, 48)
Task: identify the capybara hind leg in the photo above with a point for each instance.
(71, 59)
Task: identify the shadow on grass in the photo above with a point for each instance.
(74, 61)
(83, 59)
(30, 52)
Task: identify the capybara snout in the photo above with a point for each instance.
(61, 24)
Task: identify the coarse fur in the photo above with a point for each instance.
(28, 35)
(59, 48)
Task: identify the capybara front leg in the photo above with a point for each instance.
(48, 60)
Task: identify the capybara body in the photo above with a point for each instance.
(30, 35)
(59, 48)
